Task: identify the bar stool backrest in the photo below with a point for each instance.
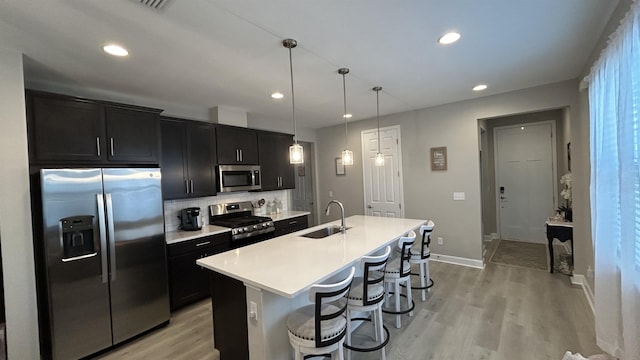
(426, 230)
(327, 294)
(405, 243)
(373, 273)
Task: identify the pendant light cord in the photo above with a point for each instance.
(344, 95)
(378, 114)
(293, 101)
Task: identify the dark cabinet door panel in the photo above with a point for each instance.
(277, 172)
(189, 282)
(247, 142)
(226, 146)
(132, 135)
(188, 159)
(66, 129)
(200, 157)
(236, 145)
(174, 168)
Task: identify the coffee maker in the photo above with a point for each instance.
(190, 219)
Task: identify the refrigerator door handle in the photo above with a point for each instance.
(112, 238)
(80, 257)
(103, 238)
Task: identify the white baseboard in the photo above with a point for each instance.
(580, 280)
(478, 264)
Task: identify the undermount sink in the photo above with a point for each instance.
(324, 232)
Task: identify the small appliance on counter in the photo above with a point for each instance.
(190, 219)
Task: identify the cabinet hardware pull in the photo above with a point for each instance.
(241, 157)
(191, 183)
(237, 155)
(98, 145)
(204, 243)
(111, 139)
(186, 186)
(293, 222)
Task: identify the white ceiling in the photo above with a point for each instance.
(206, 53)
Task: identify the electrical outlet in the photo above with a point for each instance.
(458, 196)
(253, 310)
(440, 240)
(589, 272)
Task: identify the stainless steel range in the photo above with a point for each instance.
(245, 227)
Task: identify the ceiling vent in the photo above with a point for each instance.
(154, 4)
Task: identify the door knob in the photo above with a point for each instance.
(369, 207)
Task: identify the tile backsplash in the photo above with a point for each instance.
(172, 207)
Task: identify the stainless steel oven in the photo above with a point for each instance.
(238, 178)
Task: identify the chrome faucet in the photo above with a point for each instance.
(343, 227)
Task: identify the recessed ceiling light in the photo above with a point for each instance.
(277, 95)
(115, 50)
(479, 87)
(521, 127)
(347, 116)
(449, 38)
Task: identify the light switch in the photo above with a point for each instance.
(330, 193)
(458, 196)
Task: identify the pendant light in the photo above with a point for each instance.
(379, 157)
(296, 153)
(347, 155)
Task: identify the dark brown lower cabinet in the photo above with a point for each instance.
(287, 226)
(189, 282)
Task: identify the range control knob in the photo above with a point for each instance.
(239, 230)
(246, 229)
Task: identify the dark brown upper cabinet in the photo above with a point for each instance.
(188, 158)
(68, 130)
(277, 172)
(236, 145)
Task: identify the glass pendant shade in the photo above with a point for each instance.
(347, 157)
(379, 159)
(296, 154)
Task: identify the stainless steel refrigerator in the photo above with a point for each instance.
(105, 257)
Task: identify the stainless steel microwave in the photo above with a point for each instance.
(239, 178)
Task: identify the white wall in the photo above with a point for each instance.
(15, 213)
(428, 195)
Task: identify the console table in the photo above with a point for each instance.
(561, 230)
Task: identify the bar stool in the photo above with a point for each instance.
(320, 328)
(421, 257)
(367, 295)
(397, 272)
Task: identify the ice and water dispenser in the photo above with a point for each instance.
(77, 237)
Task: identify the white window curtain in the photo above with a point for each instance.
(614, 106)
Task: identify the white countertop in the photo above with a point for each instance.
(177, 236)
(289, 264)
(173, 237)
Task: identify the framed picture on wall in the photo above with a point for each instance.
(340, 171)
(439, 158)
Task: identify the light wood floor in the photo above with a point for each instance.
(501, 312)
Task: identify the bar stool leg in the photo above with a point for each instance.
(397, 297)
(409, 296)
(378, 314)
(348, 336)
(429, 283)
(422, 282)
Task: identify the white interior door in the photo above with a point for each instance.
(525, 180)
(304, 194)
(382, 184)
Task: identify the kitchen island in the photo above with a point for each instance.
(256, 287)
